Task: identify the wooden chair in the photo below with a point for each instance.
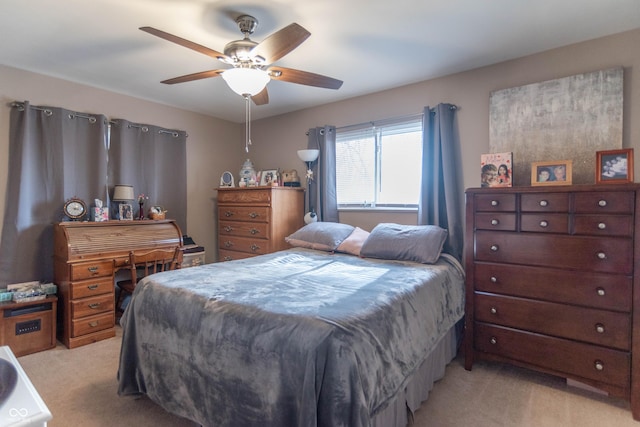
(142, 264)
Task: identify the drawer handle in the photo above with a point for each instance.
(600, 292)
(600, 328)
(228, 228)
(254, 231)
(228, 214)
(255, 247)
(93, 324)
(602, 225)
(93, 287)
(544, 203)
(601, 255)
(544, 224)
(493, 310)
(228, 258)
(602, 203)
(92, 270)
(94, 305)
(253, 215)
(228, 244)
(494, 248)
(493, 340)
(495, 203)
(599, 365)
(494, 279)
(495, 222)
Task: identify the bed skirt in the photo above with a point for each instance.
(420, 383)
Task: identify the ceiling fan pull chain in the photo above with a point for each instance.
(247, 125)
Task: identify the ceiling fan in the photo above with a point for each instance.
(252, 61)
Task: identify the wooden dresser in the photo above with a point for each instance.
(553, 282)
(254, 221)
(86, 257)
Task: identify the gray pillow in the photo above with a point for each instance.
(322, 236)
(420, 243)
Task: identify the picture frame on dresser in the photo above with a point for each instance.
(557, 172)
(125, 211)
(614, 166)
(268, 176)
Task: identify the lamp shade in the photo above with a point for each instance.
(309, 155)
(246, 81)
(123, 192)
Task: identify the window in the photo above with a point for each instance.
(378, 165)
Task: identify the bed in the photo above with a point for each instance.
(303, 337)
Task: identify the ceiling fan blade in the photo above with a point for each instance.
(194, 76)
(303, 78)
(280, 43)
(261, 98)
(185, 43)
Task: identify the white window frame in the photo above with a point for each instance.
(377, 130)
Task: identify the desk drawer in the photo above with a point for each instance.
(89, 270)
(561, 355)
(93, 305)
(590, 325)
(90, 288)
(90, 324)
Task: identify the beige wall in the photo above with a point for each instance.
(214, 145)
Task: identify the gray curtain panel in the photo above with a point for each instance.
(153, 160)
(54, 154)
(322, 197)
(440, 199)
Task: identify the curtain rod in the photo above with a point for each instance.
(145, 128)
(387, 121)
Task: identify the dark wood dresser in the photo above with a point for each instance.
(553, 282)
(254, 221)
(86, 257)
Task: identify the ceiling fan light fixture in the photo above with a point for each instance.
(246, 81)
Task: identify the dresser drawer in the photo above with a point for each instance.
(89, 288)
(620, 202)
(597, 290)
(88, 270)
(608, 255)
(258, 230)
(245, 196)
(496, 221)
(545, 223)
(495, 202)
(561, 355)
(544, 202)
(603, 225)
(225, 255)
(93, 305)
(96, 323)
(590, 325)
(244, 213)
(240, 244)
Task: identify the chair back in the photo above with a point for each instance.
(154, 261)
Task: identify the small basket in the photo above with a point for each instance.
(157, 215)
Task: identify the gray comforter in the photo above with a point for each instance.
(293, 338)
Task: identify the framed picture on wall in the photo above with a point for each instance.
(614, 166)
(557, 172)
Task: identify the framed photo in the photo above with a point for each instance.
(268, 176)
(614, 166)
(496, 170)
(126, 212)
(557, 172)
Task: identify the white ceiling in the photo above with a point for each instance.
(369, 44)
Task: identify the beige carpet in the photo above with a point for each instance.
(79, 387)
